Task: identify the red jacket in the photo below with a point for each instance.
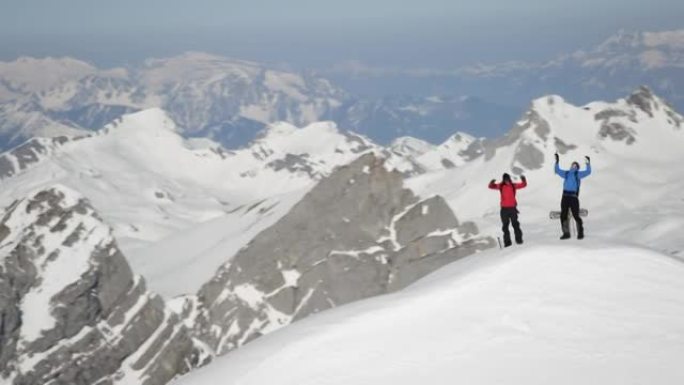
(508, 192)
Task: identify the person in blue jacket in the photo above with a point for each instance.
(572, 179)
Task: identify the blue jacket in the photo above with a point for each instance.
(572, 178)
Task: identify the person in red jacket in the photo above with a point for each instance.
(509, 209)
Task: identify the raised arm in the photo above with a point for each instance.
(522, 184)
(586, 172)
(559, 171)
(493, 185)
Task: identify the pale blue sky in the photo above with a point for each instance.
(408, 33)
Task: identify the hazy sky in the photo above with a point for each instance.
(319, 33)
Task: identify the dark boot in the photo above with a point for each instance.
(565, 236)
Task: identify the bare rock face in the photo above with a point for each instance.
(71, 311)
(28, 153)
(357, 234)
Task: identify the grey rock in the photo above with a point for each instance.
(618, 132)
(562, 147)
(527, 155)
(357, 234)
(447, 163)
(612, 126)
(101, 325)
(643, 99)
(293, 163)
(28, 154)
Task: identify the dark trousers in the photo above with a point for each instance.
(510, 215)
(570, 203)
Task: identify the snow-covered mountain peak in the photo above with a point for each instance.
(149, 120)
(195, 66)
(28, 74)
(647, 101)
(547, 101)
(410, 146)
(642, 124)
(624, 39)
(636, 50)
(316, 148)
(672, 39)
(454, 152)
(459, 138)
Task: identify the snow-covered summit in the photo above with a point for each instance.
(452, 153)
(599, 313)
(316, 148)
(151, 120)
(410, 146)
(652, 50)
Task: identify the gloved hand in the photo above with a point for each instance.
(557, 158)
(492, 181)
(588, 159)
(523, 178)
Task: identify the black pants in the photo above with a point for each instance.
(571, 203)
(510, 215)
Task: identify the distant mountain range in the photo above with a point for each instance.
(613, 68)
(231, 101)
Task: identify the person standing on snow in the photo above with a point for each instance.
(509, 209)
(570, 202)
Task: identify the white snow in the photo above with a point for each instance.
(179, 208)
(249, 294)
(595, 313)
(409, 146)
(449, 151)
(291, 277)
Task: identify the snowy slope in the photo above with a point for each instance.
(592, 314)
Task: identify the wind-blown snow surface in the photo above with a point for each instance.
(595, 313)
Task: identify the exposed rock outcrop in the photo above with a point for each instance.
(357, 234)
(71, 311)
